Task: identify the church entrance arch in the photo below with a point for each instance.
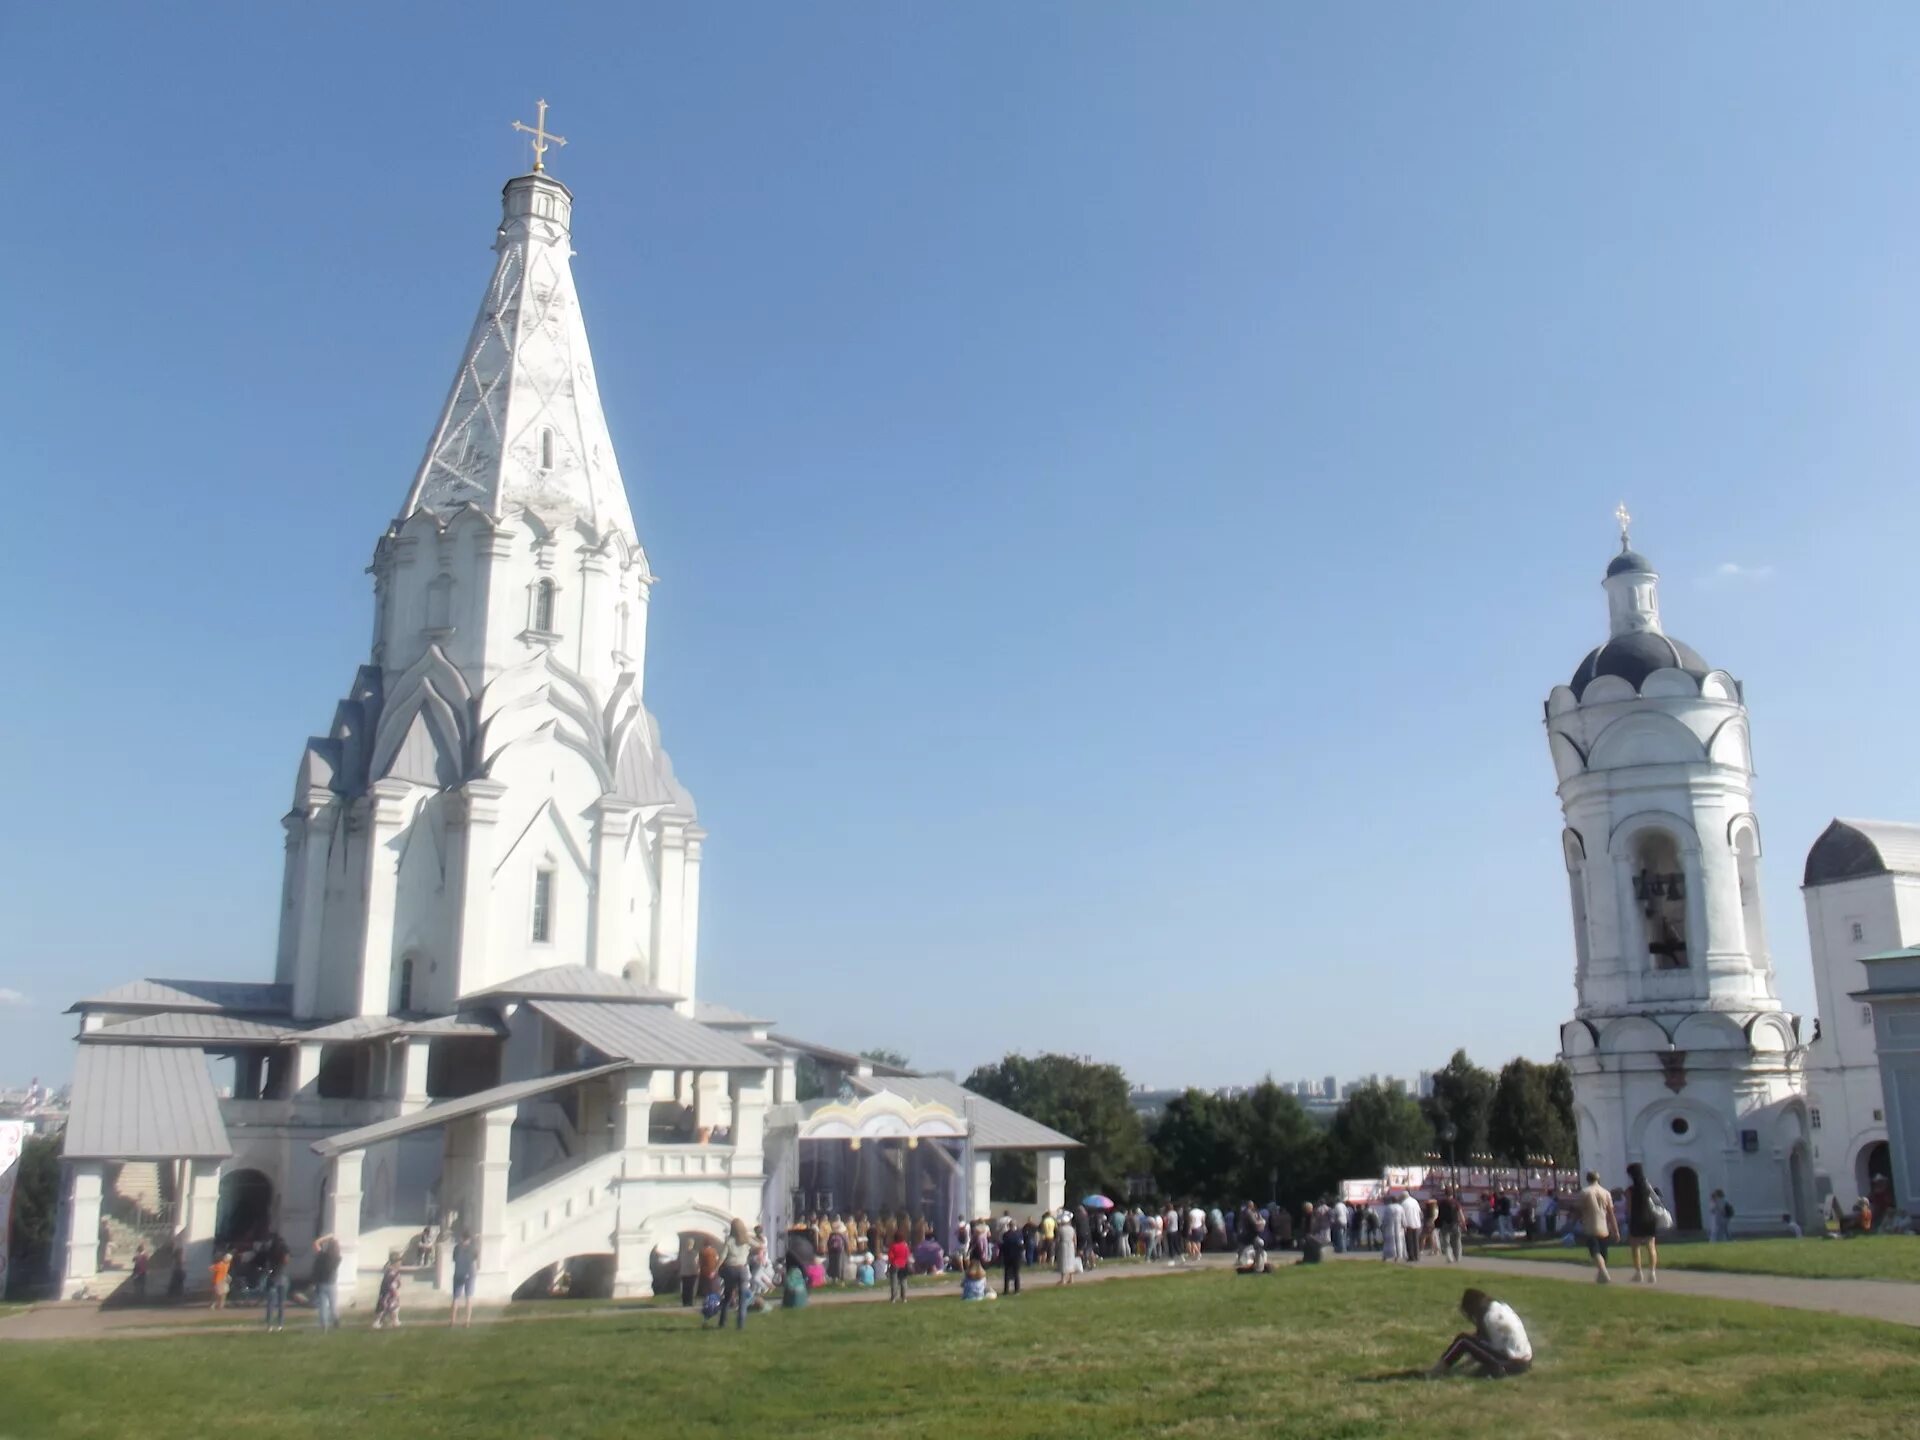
(1686, 1198)
(246, 1205)
(1874, 1159)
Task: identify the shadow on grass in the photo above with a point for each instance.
(1392, 1377)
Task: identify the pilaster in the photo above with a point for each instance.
(493, 1280)
(341, 1218)
(613, 824)
(308, 922)
(387, 810)
(1051, 1175)
(474, 817)
(667, 925)
(86, 1181)
(201, 1213)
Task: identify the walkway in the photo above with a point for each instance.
(1891, 1300)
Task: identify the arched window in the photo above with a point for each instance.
(543, 607)
(404, 1001)
(546, 449)
(1746, 856)
(1660, 895)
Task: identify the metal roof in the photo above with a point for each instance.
(193, 1028)
(707, 1012)
(441, 1111)
(355, 1027)
(241, 997)
(650, 1035)
(467, 1022)
(1849, 849)
(577, 982)
(993, 1126)
(841, 1059)
(144, 1102)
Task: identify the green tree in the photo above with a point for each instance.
(1279, 1152)
(1532, 1113)
(1375, 1128)
(1079, 1098)
(1193, 1141)
(36, 1200)
(884, 1056)
(1463, 1097)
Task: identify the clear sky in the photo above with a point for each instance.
(1124, 476)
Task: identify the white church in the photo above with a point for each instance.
(1683, 1058)
(484, 1002)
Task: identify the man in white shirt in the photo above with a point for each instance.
(1392, 1221)
(1497, 1344)
(1413, 1223)
(1340, 1217)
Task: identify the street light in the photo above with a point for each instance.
(1448, 1134)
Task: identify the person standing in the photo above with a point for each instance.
(1447, 1223)
(466, 1258)
(140, 1263)
(689, 1267)
(733, 1273)
(1341, 1218)
(1719, 1218)
(1393, 1222)
(1642, 1226)
(277, 1259)
(1414, 1224)
(1064, 1243)
(386, 1305)
(222, 1267)
(899, 1267)
(1596, 1220)
(326, 1276)
(1012, 1252)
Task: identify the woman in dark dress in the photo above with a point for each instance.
(1641, 1227)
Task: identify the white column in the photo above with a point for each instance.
(413, 1089)
(747, 1090)
(613, 823)
(634, 1117)
(493, 1281)
(385, 817)
(690, 921)
(86, 1179)
(305, 1081)
(980, 1187)
(667, 914)
(632, 1246)
(474, 816)
(342, 1218)
(201, 1213)
(1050, 1168)
(323, 816)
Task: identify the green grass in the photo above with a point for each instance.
(1866, 1257)
(1321, 1353)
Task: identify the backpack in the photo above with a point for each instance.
(710, 1306)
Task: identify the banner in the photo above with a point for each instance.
(13, 1135)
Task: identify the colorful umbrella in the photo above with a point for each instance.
(1097, 1202)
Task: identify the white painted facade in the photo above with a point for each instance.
(1682, 1056)
(1862, 894)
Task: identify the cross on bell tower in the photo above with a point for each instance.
(542, 137)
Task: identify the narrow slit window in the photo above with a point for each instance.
(546, 449)
(406, 986)
(542, 907)
(543, 606)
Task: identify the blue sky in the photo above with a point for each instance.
(1124, 477)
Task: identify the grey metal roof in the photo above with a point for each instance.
(240, 997)
(650, 1035)
(355, 1027)
(840, 1059)
(442, 1111)
(193, 1028)
(994, 1126)
(144, 1102)
(577, 982)
(1636, 656)
(1630, 562)
(707, 1012)
(467, 1022)
(1850, 849)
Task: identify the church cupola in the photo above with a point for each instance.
(1633, 593)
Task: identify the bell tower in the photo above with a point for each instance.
(1681, 1054)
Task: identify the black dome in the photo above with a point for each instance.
(1636, 656)
(1630, 561)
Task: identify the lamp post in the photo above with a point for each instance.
(1448, 1134)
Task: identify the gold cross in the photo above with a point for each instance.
(1619, 513)
(542, 136)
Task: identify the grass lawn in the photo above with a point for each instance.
(1322, 1353)
(1866, 1257)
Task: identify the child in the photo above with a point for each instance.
(1498, 1343)
(387, 1306)
(222, 1266)
(899, 1267)
(974, 1287)
(140, 1262)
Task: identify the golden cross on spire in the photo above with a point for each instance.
(1620, 514)
(542, 137)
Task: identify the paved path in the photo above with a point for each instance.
(1891, 1300)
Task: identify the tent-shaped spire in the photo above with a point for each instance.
(523, 424)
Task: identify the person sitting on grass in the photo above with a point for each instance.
(974, 1287)
(1497, 1344)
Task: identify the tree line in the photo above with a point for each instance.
(1262, 1144)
